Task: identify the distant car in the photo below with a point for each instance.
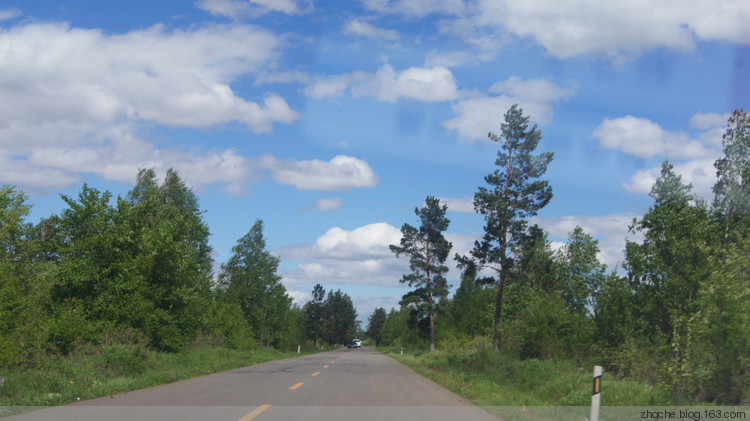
(355, 343)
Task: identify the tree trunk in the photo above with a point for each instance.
(498, 312)
(432, 332)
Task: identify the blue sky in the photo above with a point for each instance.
(332, 121)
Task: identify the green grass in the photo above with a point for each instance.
(107, 370)
(494, 380)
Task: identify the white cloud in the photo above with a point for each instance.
(9, 14)
(360, 256)
(644, 138)
(236, 9)
(329, 205)
(368, 30)
(477, 116)
(693, 155)
(701, 173)
(707, 121)
(433, 84)
(447, 59)
(464, 205)
(74, 100)
(340, 173)
(617, 28)
(416, 8)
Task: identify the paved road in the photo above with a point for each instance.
(350, 385)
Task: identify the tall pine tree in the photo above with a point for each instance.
(513, 194)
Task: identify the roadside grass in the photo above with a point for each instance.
(490, 379)
(107, 370)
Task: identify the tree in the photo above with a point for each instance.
(249, 278)
(732, 188)
(667, 268)
(170, 256)
(471, 308)
(512, 196)
(341, 317)
(427, 249)
(314, 314)
(583, 273)
(375, 325)
(535, 264)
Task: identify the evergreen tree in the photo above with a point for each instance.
(375, 325)
(427, 249)
(314, 314)
(511, 197)
(341, 317)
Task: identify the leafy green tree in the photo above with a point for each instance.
(375, 325)
(396, 331)
(89, 271)
(314, 314)
(615, 315)
(471, 310)
(667, 268)
(581, 270)
(511, 197)
(170, 259)
(250, 279)
(732, 188)
(713, 356)
(22, 297)
(427, 249)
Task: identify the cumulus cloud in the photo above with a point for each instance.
(701, 173)
(428, 84)
(236, 9)
(692, 154)
(360, 256)
(644, 138)
(621, 26)
(340, 173)
(618, 28)
(364, 29)
(74, 100)
(478, 115)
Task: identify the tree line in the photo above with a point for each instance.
(138, 270)
(677, 311)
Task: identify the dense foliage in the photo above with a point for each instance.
(677, 313)
(138, 271)
(133, 270)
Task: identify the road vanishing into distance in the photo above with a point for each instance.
(345, 385)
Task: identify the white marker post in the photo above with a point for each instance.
(298, 349)
(597, 393)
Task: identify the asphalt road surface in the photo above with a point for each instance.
(345, 385)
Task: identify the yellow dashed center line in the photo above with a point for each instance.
(296, 386)
(326, 366)
(333, 362)
(315, 373)
(255, 413)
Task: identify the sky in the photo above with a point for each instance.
(333, 120)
